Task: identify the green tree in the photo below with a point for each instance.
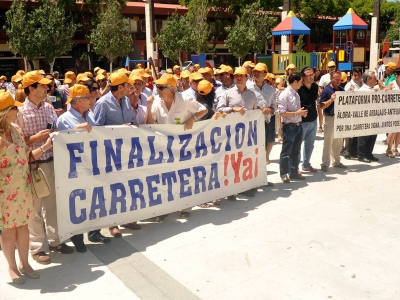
(20, 29)
(197, 19)
(393, 33)
(111, 37)
(54, 31)
(251, 31)
(175, 37)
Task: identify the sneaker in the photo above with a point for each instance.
(99, 238)
(62, 248)
(310, 169)
(324, 168)
(340, 166)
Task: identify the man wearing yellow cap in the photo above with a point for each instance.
(69, 81)
(389, 75)
(326, 79)
(185, 74)
(13, 85)
(249, 65)
(226, 77)
(60, 105)
(172, 107)
(137, 81)
(37, 115)
(208, 75)
(194, 80)
(177, 70)
(267, 106)
(114, 108)
(380, 69)
(239, 98)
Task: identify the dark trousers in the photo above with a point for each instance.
(352, 150)
(292, 136)
(78, 239)
(365, 146)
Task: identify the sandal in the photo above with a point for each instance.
(396, 152)
(216, 202)
(390, 154)
(184, 215)
(204, 205)
(320, 130)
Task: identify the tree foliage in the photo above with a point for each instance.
(20, 28)
(53, 31)
(251, 31)
(111, 37)
(393, 33)
(175, 37)
(197, 19)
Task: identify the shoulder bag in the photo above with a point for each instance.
(40, 186)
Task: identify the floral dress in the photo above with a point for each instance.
(16, 202)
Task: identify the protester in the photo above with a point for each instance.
(308, 93)
(389, 75)
(56, 77)
(283, 83)
(267, 106)
(13, 86)
(59, 104)
(185, 74)
(171, 107)
(393, 138)
(270, 79)
(194, 80)
(114, 108)
(137, 80)
(381, 69)
(332, 146)
(139, 109)
(290, 111)
(69, 81)
(207, 73)
(3, 83)
(365, 144)
(326, 78)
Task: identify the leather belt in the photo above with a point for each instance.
(50, 159)
(297, 124)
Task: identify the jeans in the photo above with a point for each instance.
(309, 133)
(291, 145)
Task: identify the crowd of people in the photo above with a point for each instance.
(33, 105)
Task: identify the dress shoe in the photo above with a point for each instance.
(373, 158)
(62, 248)
(42, 258)
(364, 160)
(33, 275)
(232, 198)
(132, 226)
(341, 166)
(80, 247)
(297, 176)
(310, 169)
(115, 232)
(99, 238)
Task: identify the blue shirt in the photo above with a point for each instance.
(326, 94)
(107, 111)
(71, 118)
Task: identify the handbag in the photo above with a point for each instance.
(39, 184)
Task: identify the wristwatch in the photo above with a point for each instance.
(42, 149)
(295, 114)
(194, 117)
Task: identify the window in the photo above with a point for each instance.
(133, 25)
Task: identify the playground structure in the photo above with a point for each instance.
(345, 55)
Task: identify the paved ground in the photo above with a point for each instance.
(334, 236)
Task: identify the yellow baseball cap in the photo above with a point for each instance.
(391, 65)
(69, 76)
(240, 71)
(123, 70)
(205, 70)
(204, 87)
(6, 100)
(185, 74)
(331, 64)
(197, 66)
(195, 76)
(261, 67)
(169, 71)
(135, 76)
(143, 73)
(166, 79)
(101, 71)
(20, 73)
(82, 77)
(380, 60)
(42, 72)
(76, 91)
(248, 64)
(176, 67)
(3, 77)
(33, 77)
(270, 77)
(148, 71)
(89, 74)
(344, 77)
(118, 78)
(100, 77)
(291, 66)
(16, 78)
(96, 69)
(139, 66)
(225, 69)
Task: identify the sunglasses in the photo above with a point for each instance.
(161, 87)
(14, 108)
(197, 81)
(94, 89)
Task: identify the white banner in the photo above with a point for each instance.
(121, 174)
(366, 113)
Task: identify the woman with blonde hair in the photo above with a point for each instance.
(20, 95)
(16, 202)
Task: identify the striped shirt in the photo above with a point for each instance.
(289, 101)
(35, 120)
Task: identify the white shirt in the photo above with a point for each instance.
(182, 108)
(352, 83)
(325, 80)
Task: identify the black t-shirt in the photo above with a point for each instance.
(326, 95)
(60, 99)
(308, 99)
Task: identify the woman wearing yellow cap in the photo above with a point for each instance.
(16, 201)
